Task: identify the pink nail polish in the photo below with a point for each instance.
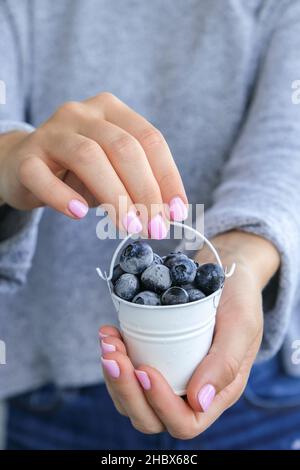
(132, 223)
(106, 347)
(178, 210)
(206, 396)
(111, 367)
(78, 208)
(143, 378)
(102, 335)
(157, 228)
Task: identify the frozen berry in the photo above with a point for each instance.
(195, 294)
(174, 295)
(183, 271)
(117, 272)
(147, 297)
(136, 257)
(173, 257)
(156, 278)
(209, 278)
(127, 286)
(157, 259)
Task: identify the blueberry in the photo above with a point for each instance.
(157, 259)
(117, 272)
(189, 285)
(136, 257)
(195, 294)
(173, 257)
(174, 295)
(127, 286)
(209, 278)
(147, 297)
(156, 278)
(183, 271)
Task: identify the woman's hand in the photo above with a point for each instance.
(218, 382)
(98, 151)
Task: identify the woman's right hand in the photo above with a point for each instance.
(94, 152)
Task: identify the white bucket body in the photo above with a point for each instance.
(173, 338)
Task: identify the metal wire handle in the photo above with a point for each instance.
(107, 278)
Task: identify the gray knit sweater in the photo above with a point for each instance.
(216, 78)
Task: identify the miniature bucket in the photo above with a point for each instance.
(171, 338)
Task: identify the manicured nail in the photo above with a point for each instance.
(78, 208)
(143, 378)
(111, 367)
(106, 347)
(157, 228)
(102, 335)
(178, 210)
(132, 223)
(206, 396)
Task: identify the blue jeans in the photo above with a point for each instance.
(266, 417)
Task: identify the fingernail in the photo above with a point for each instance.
(178, 210)
(106, 347)
(111, 367)
(78, 208)
(143, 378)
(157, 228)
(132, 223)
(206, 396)
(102, 335)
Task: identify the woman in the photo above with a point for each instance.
(216, 81)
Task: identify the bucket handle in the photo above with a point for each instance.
(103, 274)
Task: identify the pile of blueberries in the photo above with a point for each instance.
(143, 277)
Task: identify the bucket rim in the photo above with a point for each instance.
(165, 307)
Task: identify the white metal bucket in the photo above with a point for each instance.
(171, 338)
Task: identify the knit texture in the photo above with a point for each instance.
(217, 81)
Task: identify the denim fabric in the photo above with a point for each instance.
(266, 417)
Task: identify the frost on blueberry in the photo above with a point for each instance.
(209, 278)
(145, 278)
(156, 278)
(174, 295)
(136, 257)
(173, 257)
(147, 297)
(195, 294)
(157, 259)
(127, 286)
(117, 272)
(182, 271)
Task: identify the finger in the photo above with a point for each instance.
(180, 419)
(71, 180)
(173, 411)
(230, 394)
(235, 333)
(132, 166)
(155, 147)
(109, 330)
(120, 408)
(123, 385)
(37, 177)
(111, 344)
(90, 164)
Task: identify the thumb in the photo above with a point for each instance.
(234, 335)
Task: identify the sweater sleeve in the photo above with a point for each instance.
(259, 187)
(18, 229)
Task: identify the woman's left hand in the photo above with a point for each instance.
(145, 396)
